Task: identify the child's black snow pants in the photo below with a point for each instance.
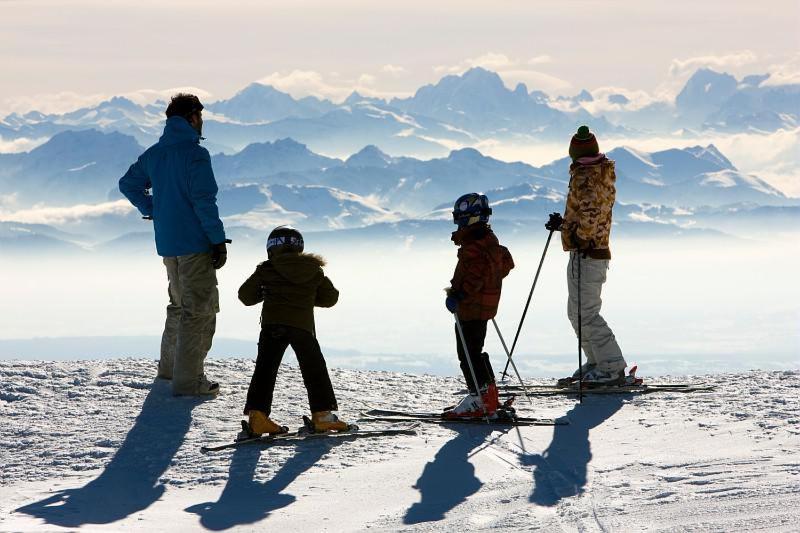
(272, 344)
(475, 335)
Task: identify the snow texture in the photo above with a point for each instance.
(100, 445)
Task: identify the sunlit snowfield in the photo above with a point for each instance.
(676, 306)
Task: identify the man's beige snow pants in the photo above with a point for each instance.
(598, 340)
(191, 320)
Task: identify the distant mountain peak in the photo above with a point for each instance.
(706, 88)
(354, 98)
(711, 153)
(467, 154)
(119, 101)
(369, 156)
(257, 88)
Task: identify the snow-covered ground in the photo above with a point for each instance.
(98, 445)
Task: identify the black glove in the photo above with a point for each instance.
(219, 254)
(555, 222)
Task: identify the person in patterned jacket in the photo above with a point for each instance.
(585, 230)
(474, 295)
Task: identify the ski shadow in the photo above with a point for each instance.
(449, 479)
(560, 471)
(247, 501)
(129, 482)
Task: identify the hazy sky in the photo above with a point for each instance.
(56, 53)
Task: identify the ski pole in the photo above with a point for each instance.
(580, 334)
(527, 304)
(510, 360)
(469, 363)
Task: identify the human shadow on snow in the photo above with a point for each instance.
(449, 479)
(130, 482)
(247, 501)
(560, 471)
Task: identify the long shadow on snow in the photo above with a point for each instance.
(247, 501)
(560, 471)
(449, 479)
(129, 482)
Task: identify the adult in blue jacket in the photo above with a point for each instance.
(189, 236)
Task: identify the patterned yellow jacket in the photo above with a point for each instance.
(587, 216)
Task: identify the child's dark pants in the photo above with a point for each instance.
(272, 344)
(475, 335)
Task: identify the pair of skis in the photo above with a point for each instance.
(631, 384)
(642, 388)
(305, 434)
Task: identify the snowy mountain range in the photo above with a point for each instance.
(458, 111)
(65, 191)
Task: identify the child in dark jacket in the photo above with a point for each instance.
(290, 283)
(474, 296)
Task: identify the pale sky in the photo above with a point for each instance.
(58, 54)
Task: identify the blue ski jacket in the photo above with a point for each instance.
(183, 204)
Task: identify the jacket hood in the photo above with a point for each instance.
(178, 130)
(297, 268)
(476, 232)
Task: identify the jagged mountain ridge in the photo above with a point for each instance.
(459, 110)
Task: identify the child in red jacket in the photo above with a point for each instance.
(474, 296)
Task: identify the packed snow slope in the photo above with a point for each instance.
(100, 446)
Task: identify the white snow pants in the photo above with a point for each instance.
(598, 340)
(191, 320)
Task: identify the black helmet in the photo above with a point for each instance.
(284, 239)
(470, 209)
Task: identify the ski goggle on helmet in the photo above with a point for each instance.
(470, 209)
(284, 239)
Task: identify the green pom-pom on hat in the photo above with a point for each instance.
(583, 133)
(583, 144)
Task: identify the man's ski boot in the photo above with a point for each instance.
(258, 424)
(206, 387)
(567, 381)
(323, 421)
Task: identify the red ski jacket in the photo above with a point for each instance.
(478, 278)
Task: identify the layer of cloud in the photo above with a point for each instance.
(301, 83)
(604, 100)
(683, 67)
(23, 144)
(65, 102)
(149, 96)
(56, 216)
(393, 69)
(53, 103)
(787, 73)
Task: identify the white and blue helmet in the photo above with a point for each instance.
(470, 209)
(284, 239)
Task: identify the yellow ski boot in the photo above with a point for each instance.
(323, 421)
(259, 423)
